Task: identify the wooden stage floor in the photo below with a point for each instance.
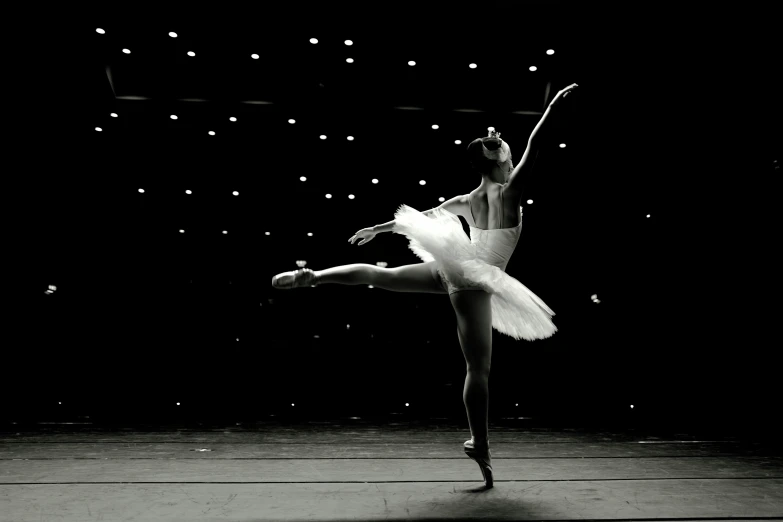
(358, 470)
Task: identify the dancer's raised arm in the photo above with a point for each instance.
(537, 137)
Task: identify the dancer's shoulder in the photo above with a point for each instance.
(457, 205)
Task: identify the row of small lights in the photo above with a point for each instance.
(314, 41)
(291, 121)
(407, 404)
(328, 196)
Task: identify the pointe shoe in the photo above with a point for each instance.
(295, 279)
(483, 457)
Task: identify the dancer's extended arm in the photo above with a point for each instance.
(457, 205)
(539, 136)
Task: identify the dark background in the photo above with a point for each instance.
(677, 116)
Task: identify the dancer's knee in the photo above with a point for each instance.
(479, 370)
(383, 277)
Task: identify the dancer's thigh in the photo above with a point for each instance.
(421, 277)
(474, 326)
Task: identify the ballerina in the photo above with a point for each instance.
(471, 271)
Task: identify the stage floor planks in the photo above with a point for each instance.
(377, 471)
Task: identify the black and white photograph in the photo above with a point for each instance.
(323, 261)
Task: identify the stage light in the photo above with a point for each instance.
(550, 52)
(235, 193)
(648, 215)
(188, 192)
(529, 201)
(113, 114)
(191, 53)
(411, 63)
(98, 129)
(292, 121)
(349, 60)
(323, 136)
(302, 178)
(348, 42)
(61, 403)
(473, 66)
(141, 190)
(225, 232)
(126, 51)
(211, 133)
(177, 404)
(631, 406)
(441, 199)
(292, 404)
(328, 196)
(435, 127)
(313, 40)
(533, 68)
(351, 196)
(422, 182)
(562, 145)
(173, 34)
(181, 231)
(370, 286)
(406, 404)
(266, 233)
(309, 234)
(457, 142)
(100, 31)
(173, 116)
(375, 181)
(254, 56)
(350, 138)
(347, 326)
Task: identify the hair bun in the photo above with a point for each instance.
(492, 143)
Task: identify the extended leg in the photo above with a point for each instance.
(354, 274)
(420, 277)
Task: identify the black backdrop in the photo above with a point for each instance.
(677, 117)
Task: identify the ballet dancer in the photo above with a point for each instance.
(471, 271)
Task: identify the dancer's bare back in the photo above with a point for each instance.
(485, 206)
(493, 206)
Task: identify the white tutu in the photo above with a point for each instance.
(477, 263)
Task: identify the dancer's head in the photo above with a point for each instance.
(491, 157)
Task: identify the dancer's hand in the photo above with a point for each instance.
(365, 234)
(562, 94)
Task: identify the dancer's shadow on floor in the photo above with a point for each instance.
(478, 489)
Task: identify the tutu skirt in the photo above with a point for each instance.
(467, 265)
